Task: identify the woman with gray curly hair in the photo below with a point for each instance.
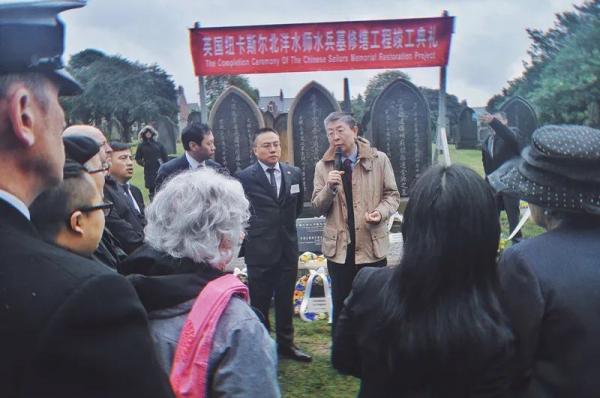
(195, 225)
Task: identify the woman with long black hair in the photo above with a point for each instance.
(434, 326)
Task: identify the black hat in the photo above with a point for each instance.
(80, 148)
(32, 39)
(559, 170)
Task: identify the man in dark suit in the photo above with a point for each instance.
(502, 145)
(199, 144)
(69, 327)
(126, 221)
(275, 193)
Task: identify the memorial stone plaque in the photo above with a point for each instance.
(467, 130)
(167, 133)
(310, 234)
(234, 119)
(307, 113)
(521, 114)
(400, 127)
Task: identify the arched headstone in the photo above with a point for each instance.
(305, 121)
(194, 117)
(167, 133)
(280, 125)
(400, 127)
(520, 114)
(234, 119)
(467, 129)
(268, 118)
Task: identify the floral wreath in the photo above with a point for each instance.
(299, 291)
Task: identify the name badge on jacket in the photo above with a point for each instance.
(295, 188)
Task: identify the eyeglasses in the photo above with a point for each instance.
(105, 207)
(102, 170)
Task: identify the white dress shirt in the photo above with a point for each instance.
(277, 174)
(194, 164)
(16, 203)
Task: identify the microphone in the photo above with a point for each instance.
(337, 163)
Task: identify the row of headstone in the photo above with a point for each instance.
(399, 126)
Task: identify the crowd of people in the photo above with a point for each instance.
(102, 296)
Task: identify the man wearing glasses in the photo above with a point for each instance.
(87, 152)
(275, 193)
(71, 214)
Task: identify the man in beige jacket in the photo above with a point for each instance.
(356, 201)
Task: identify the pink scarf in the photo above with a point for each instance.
(190, 365)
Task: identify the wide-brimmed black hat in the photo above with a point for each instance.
(32, 40)
(559, 170)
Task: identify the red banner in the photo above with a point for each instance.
(398, 43)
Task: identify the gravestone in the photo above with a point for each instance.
(305, 121)
(280, 125)
(167, 133)
(269, 119)
(467, 130)
(400, 127)
(310, 234)
(520, 114)
(194, 117)
(234, 119)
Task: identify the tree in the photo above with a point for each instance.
(378, 82)
(561, 79)
(216, 84)
(359, 107)
(116, 88)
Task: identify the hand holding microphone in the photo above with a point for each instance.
(335, 176)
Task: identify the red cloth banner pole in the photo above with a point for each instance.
(398, 43)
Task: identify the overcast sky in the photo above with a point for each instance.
(488, 46)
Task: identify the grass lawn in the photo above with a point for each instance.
(318, 379)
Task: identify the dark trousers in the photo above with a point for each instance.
(510, 205)
(342, 276)
(274, 280)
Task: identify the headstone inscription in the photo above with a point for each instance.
(167, 133)
(234, 119)
(310, 234)
(400, 127)
(467, 129)
(520, 114)
(305, 121)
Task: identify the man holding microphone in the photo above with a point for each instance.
(355, 189)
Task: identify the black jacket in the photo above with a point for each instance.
(271, 237)
(552, 297)
(177, 165)
(126, 224)
(150, 154)
(507, 144)
(69, 327)
(354, 352)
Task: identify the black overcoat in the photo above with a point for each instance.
(69, 327)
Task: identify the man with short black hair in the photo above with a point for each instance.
(275, 193)
(71, 214)
(199, 144)
(127, 220)
(70, 326)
